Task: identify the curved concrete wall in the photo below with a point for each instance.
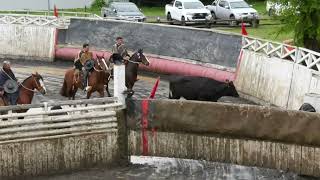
(27, 42)
(238, 134)
(188, 43)
(279, 82)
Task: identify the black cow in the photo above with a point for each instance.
(200, 88)
(307, 107)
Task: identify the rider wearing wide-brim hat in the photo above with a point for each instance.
(84, 63)
(9, 83)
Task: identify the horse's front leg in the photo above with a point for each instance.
(107, 90)
(89, 94)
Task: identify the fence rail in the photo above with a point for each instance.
(43, 20)
(72, 117)
(299, 55)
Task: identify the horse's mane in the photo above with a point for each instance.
(29, 78)
(26, 79)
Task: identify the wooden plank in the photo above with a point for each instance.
(278, 156)
(273, 155)
(61, 103)
(291, 158)
(33, 159)
(207, 148)
(56, 119)
(240, 152)
(212, 148)
(233, 150)
(266, 154)
(2, 160)
(316, 167)
(5, 160)
(258, 148)
(285, 157)
(227, 150)
(111, 121)
(66, 146)
(307, 160)
(110, 126)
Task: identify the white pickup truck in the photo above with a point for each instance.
(187, 11)
(237, 10)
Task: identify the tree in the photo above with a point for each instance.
(303, 17)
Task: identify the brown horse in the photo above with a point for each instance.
(132, 69)
(29, 86)
(97, 79)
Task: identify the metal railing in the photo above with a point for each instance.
(299, 55)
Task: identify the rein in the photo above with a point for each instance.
(38, 87)
(20, 84)
(101, 67)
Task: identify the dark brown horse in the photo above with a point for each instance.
(97, 79)
(132, 66)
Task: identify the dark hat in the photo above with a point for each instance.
(10, 86)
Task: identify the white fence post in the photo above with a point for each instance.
(119, 83)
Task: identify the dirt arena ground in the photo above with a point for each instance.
(53, 74)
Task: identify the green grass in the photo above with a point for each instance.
(153, 11)
(269, 32)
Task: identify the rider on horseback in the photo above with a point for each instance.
(121, 49)
(10, 83)
(80, 62)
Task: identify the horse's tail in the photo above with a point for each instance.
(63, 90)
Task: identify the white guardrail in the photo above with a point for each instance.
(299, 55)
(40, 18)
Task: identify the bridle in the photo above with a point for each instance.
(105, 64)
(135, 62)
(37, 85)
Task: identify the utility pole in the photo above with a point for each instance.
(48, 7)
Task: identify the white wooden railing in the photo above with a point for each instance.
(62, 21)
(73, 117)
(299, 55)
(34, 20)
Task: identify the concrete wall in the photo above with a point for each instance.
(27, 42)
(275, 81)
(180, 42)
(42, 4)
(238, 134)
(56, 155)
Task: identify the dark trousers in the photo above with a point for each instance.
(12, 98)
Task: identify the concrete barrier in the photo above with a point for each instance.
(201, 45)
(27, 42)
(275, 81)
(164, 65)
(239, 134)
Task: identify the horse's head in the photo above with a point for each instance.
(140, 57)
(102, 63)
(37, 82)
